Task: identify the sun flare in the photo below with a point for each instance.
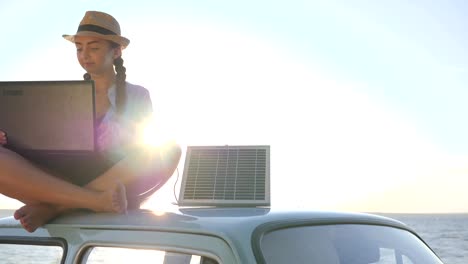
(153, 134)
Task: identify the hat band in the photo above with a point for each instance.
(97, 29)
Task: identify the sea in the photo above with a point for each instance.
(446, 234)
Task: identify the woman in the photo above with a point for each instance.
(124, 173)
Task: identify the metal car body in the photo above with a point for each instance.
(222, 235)
(223, 216)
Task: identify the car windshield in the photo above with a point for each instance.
(345, 244)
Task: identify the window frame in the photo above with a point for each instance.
(258, 233)
(204, 245)
(38, 241)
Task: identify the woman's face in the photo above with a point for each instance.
(96, 55)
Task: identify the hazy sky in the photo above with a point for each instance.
(362, 102)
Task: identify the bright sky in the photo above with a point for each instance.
(362, 102)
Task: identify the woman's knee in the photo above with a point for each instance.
(7, 156)
(5, 151)
(174, 152)
(166, 158)
(169, 158)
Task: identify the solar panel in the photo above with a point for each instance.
(226, 175)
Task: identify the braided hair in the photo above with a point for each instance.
(120, 78)
(120, 95)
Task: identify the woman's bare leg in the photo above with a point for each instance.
(21, 180)
(141, 168)
(140, 171)
(34, 215)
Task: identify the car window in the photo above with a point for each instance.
(118, 255)
(344, 244)
(35, 254)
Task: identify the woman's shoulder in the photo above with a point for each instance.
(136, 89)
(138, 98)
(137, 93)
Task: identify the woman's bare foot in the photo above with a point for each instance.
(114, 200)
(32, 216)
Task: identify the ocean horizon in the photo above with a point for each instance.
(445, 233)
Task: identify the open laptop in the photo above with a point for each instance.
(48, 117)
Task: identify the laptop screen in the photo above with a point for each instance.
(48, 116)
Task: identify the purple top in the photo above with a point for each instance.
(114, 131)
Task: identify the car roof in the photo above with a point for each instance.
(242, 228)
(209, 220)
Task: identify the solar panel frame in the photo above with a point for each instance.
(226, 176)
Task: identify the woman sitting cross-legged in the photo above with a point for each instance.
(123, 173)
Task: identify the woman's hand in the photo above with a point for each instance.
(3, 138)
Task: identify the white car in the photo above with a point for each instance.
(223, 221)
(215, 235)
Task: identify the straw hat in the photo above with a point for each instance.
(102, 25)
